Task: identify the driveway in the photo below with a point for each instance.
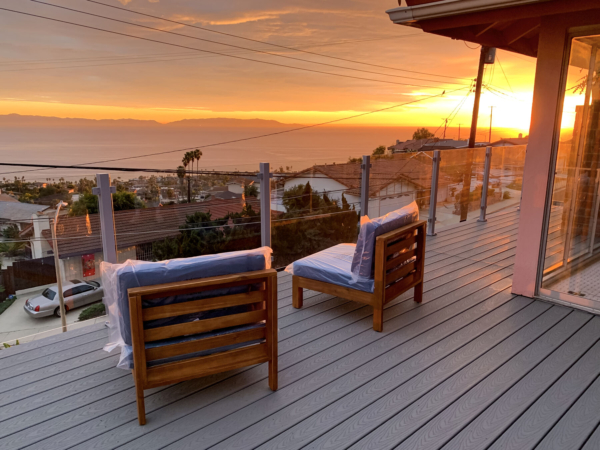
(16, 323)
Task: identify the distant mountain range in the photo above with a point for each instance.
(17, 120)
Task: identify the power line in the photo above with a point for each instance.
(208, 51)
(242, 48)
(79, 166)
(152, 55)
(504, 73)
(269, 43)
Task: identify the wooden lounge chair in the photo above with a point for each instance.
(225, 342)
(398, 264)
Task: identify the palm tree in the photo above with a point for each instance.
(197, 156)
(181, 175)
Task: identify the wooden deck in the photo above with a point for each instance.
(473, 367)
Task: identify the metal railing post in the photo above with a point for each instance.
(486, 182)
(104, 192)
(265, 204)
(364, 186)
(435, 177)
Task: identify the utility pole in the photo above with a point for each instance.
(189, 191)
(487, 56)
(445, 127)
(491, 120)
(459, 131)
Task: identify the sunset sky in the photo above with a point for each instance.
(55, 69)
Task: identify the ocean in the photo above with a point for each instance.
(108, 146)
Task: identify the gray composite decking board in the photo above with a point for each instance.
(51, 370)
(297, 433)
(45, 383)
(369, 416)
(576, 426)
(51, 360)
(349, 307)
(28, 346)
(452, 244)
(436, 288)
(43, 352)
(46, 392)
(473, 224)
(440, 241)
(522, 379)
(529, 429)
(274, 421)
(83, 401)
(116, 381)
(312, 351)
(343, 344)
(436, 394)
(470, 242)
(593, 443)
(298, 388)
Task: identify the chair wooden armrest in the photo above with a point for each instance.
(398, 266)
(262, 307)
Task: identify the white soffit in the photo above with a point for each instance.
(450, 8)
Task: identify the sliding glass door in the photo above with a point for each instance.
(571, 264)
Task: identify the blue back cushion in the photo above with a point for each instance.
(175, 270)
(364, 255)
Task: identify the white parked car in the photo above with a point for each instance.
(76, 293)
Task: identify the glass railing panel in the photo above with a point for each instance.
(506, 178)
(166, 215)
(29, 301)
(460, 170)
(314, 209)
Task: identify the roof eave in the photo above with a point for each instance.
(408, 15)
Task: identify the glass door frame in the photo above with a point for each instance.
(543, 293)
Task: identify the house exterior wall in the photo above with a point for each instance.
(40, 248)
(72, 266)
(392, 197)
(321, 183)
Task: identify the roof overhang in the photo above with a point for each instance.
(512, 25)
(446, 8)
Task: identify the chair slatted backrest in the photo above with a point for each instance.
(400, 259)
(234, 340)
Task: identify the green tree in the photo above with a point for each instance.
(84, 186)
(127, 200)
(422, 133)
(250, 190)
(152, 188)
(379, 151)
(88, 203)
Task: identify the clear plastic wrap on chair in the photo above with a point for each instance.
(364, 255)
(118, 278)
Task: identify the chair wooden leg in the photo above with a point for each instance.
(378, 318)
(272, 340)
(141, 407)
(419, 292)
(297, 294)
(273, 382)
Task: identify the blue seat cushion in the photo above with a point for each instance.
(332, 266)
(148, 274)
(364, 256)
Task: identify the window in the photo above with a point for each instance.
(49, 294)
(571, 264)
